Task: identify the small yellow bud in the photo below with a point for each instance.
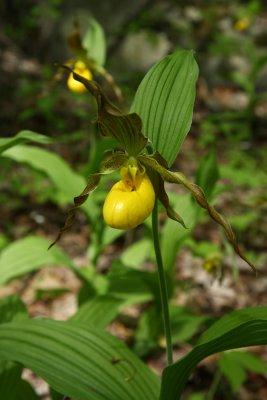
(81, 69)
(242, 24)
(129, 202)
(212, 262)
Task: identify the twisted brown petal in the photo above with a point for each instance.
(153, 162)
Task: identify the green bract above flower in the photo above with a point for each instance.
(139, 171)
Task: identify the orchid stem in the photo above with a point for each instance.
(162, 285)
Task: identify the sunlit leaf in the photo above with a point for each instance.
(22, 137)
(165, 101)
(66, 181)
(82, 363)
(29, 254)
(59, 172)
(137, 253)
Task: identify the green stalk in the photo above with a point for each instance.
(162, 285)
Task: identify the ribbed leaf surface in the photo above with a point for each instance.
(98, 312)
(11, 308)
(231, 321)
(85, 364)
(241, 328)
(165, 101)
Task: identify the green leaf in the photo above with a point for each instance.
(87, 292)
(165, 101)
(184, 324)
(137, 253)
(96, 154)
(26, 392)
(55, 395)
(231, 321)
(245, 221)
(239, 167)
(22, 137)
(10, 375)
(203, 249)
(29, 254)
(86, 364)
(235, 363)
(98, 312)
(62, 176)
(94, 42)
(233, 371)
(174, 235)
(241, 328)
(12, 309)
(197, 396)
(133, 286)
(147, 332)
(250, 362)
(109, 236)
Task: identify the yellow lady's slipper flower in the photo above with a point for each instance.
(130, 201)
(81, 69)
